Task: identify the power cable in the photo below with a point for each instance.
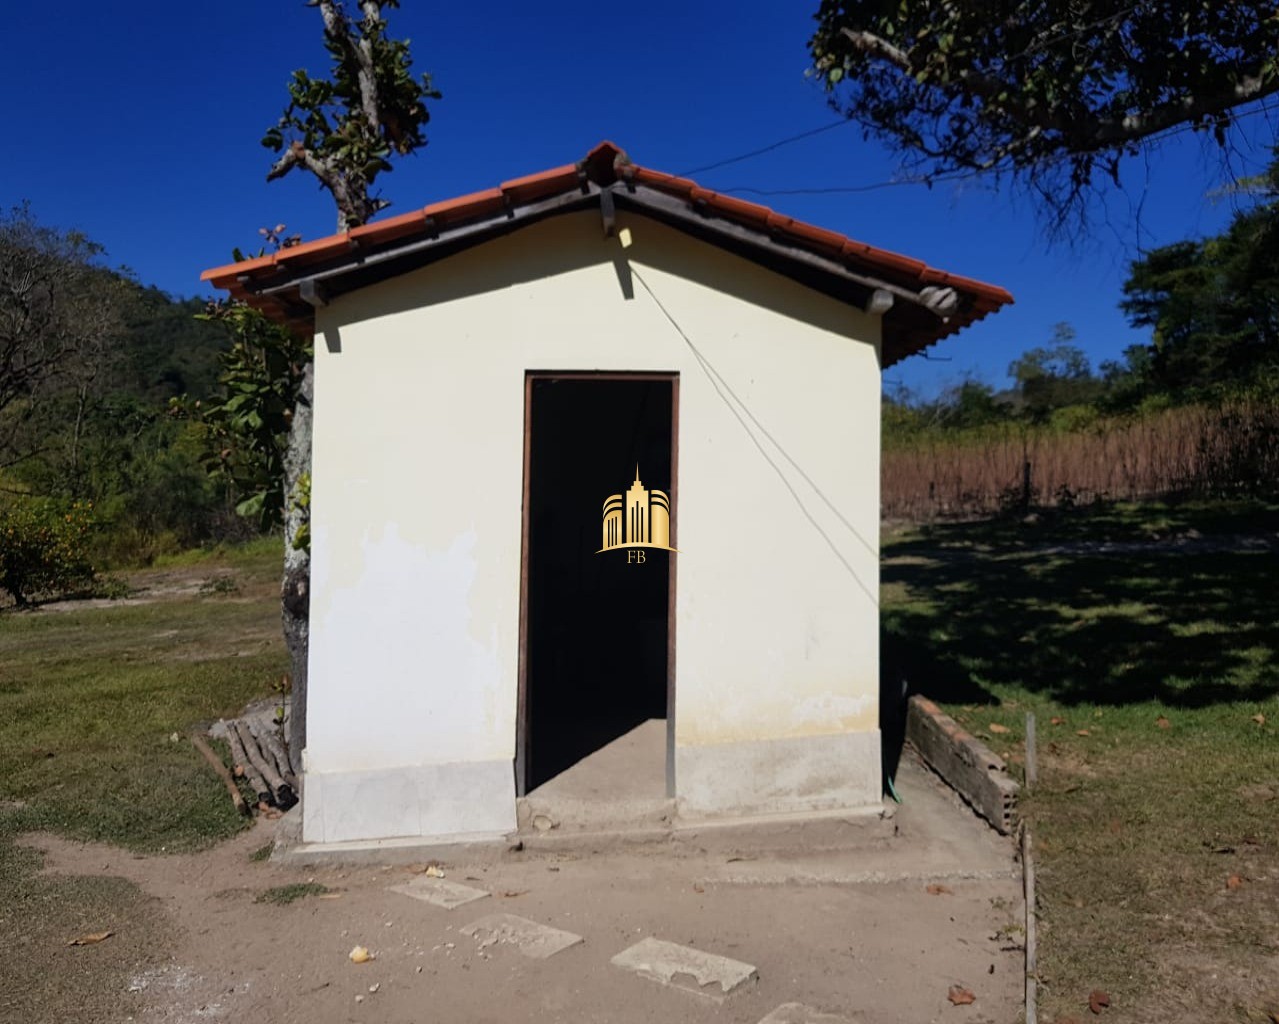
(766, 149)
(962, 173)
(724, 390)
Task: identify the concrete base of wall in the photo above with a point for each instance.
(460, 800)
(788, 776)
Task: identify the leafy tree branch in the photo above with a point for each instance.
(345, 129)
(1054, 92)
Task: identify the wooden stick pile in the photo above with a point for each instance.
(258, 756)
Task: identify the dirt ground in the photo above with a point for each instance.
(851, 931)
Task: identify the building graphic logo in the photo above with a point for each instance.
(640, 518)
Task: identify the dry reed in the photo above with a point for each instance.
(1227, 449)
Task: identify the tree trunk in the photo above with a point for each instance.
(296, 587)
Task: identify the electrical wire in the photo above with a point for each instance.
(851, 189)
(724, 390)
(958, 174)
(766, 149)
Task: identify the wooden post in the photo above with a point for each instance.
(241, 757)
(273, 750)
(281, 792)
(1032, 956)
(1025, 485)
(198, 742)
(1032, 769)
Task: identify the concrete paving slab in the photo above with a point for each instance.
(538, 941)
(667, 963)
(440, 892)
(798, 1013)
(884, 952)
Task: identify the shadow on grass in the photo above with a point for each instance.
(970, 608)
(1185, 630)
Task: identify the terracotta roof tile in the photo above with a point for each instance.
(532, 187)
(605, 165)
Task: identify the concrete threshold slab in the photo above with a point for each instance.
(846, 830)
(440, 892)
(798, 1013)
(831, 872)
(478, 849)
(842, 830)
(669, 964)
(529, 937)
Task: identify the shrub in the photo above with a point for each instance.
(44, 548)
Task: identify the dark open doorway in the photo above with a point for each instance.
(596, 628)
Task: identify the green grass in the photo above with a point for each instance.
(90, 700)
(262, 554)
(283, 895)
(1105, 522)
(43, 980)
(1139, 822)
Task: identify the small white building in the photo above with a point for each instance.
(525, 398)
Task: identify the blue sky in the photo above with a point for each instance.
(138, 123)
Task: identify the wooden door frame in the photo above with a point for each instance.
(522, 723)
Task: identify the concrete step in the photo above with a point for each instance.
(564, 813)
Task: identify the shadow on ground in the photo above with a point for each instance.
(1188, 630)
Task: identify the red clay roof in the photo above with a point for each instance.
(606, 165)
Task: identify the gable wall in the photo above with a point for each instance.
(417, 482)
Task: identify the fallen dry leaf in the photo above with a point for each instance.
(1082, 732)
(995, 727)
(91, 939)
(510, 894)
(938, 890)
(1233, 882)
(1163, 723)
(1259, 719)
(1098, 1000)
(1057, 720)
(960, 996)
(360, 955)
(698, 887)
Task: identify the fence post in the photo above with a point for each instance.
(1032, 769)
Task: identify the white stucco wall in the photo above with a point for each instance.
(416, 524)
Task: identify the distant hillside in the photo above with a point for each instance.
(167, 352)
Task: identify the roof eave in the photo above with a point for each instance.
(278, 286)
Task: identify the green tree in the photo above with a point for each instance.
(61, 316)
(44, 548)
(971, 403)
(1054, 376)
(1053, 92)
(345, 130)
(1212, 306)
